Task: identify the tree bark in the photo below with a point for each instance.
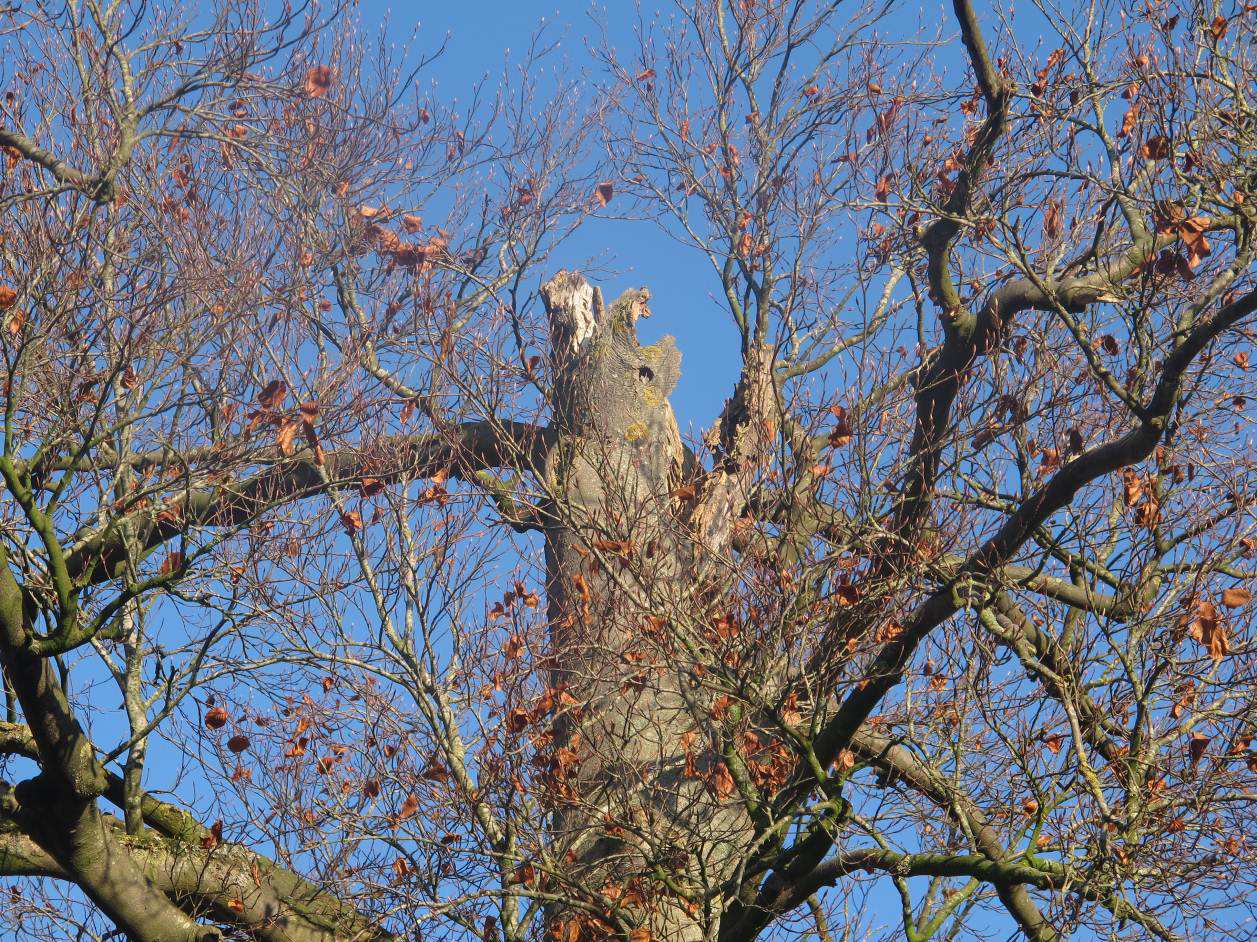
(633, 819)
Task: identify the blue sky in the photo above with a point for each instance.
(481, 35)
(681, 281)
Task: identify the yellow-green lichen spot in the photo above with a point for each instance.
(636, 432)
(651, 396)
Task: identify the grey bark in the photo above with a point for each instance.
(629, 815)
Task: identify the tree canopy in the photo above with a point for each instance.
(357, 582)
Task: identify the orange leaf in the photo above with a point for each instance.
(614, 547)
(285, 437)
(238, 743)
(216, 718)
(1217, 29)
(721, 781)
(1236, 597)
(1192, 232)
(409, 808)
(8, 297)
(1156, 148)
(1202, 620)
(273, 394)
(1129, 119)
(319, 81)
(214, 837)
(1132, 487)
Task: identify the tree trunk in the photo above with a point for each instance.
(635, 817)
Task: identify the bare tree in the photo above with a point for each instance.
(359, 584)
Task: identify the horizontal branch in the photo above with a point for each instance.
(99, 189)
(901, 765)
(470, 447)
(224, 881)
(314, 916)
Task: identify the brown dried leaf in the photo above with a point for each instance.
(286, 436)
(1196, 747)
(319, 81)
(1052, 224)
(273, 394)
(409, 808)
(1192, 232)
(721, 784)
(216, 718)
(1236, 597)
(1156, 148)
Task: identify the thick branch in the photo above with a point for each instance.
(471, 447)
(98, 188)
(903, 766)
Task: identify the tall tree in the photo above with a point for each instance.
(358, 584)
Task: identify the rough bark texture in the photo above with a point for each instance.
(626, 805)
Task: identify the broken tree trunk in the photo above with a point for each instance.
(636, 819)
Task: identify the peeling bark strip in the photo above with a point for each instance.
(615, 555)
